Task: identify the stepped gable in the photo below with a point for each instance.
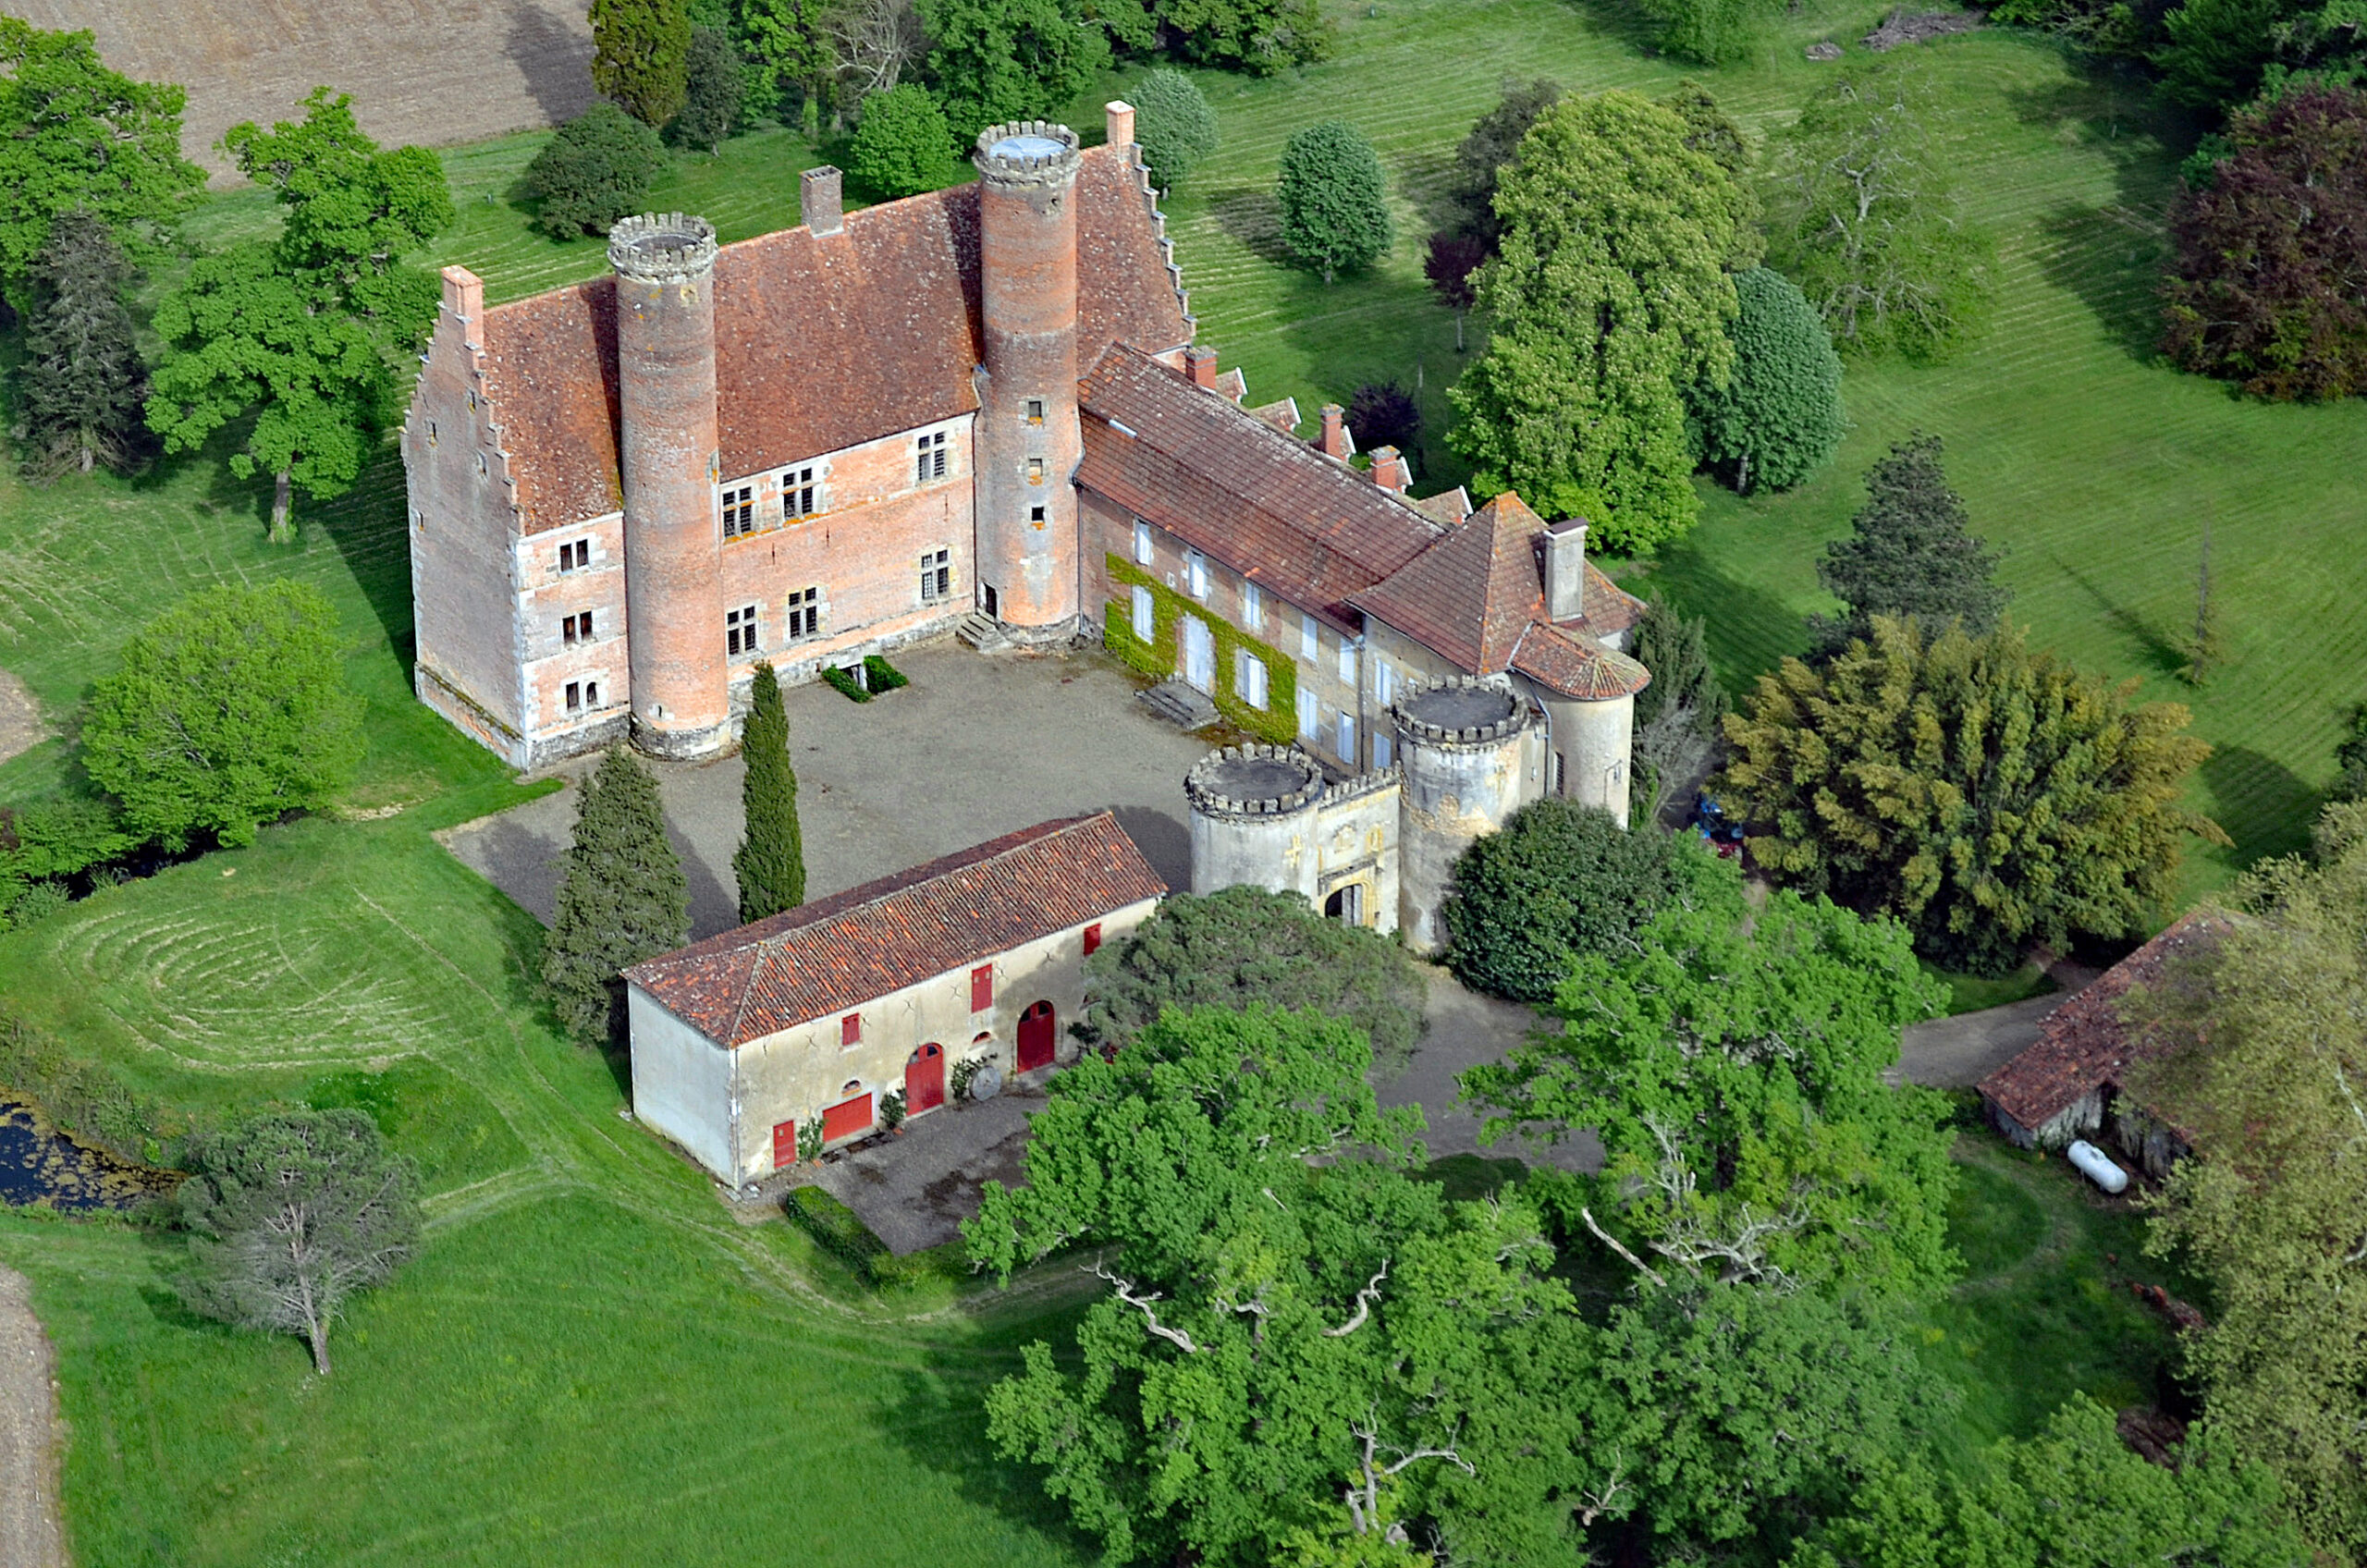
(820, 343)
(838, 953)
(1226, 483)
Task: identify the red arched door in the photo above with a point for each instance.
(925, 1080)
(1036, 1036)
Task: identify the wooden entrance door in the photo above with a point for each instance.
(1199, 649)
(784, 1145)
(1036, 1035)
(846, 1119)
(925, 1080)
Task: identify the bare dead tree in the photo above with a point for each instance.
(1362, 1495)
(1684, 1239)
(1365, 1298)
(877, 42)
(1671, 744)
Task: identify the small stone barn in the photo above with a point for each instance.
(2069, 1083)
(818, 1013)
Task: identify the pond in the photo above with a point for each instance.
(45, 1167)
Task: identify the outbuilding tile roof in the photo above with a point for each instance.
(1226, 481)
(2083, 1046)
(1576, 665)
(832, 956)
(821, 342)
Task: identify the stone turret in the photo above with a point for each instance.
(1028, 440)
(1474, 753)
(665, 268)
(1252, 819)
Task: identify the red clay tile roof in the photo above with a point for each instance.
(832, 956)
(1576, 665)
(1224, 481)
(2083, 1044)
(820, 343)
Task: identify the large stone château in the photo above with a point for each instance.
(982, 405)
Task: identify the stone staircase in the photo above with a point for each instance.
(977, 630)
(1181, 704)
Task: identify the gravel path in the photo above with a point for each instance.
(21, 726)
(31, 1533)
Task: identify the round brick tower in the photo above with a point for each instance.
(665, 265)
(1027, 437)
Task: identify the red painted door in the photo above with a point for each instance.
(784, 1145)
(925, 1080)
(1036, 1036)
(846, 1119)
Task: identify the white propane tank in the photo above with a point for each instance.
(2097, 1166)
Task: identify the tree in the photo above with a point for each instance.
(241, 334)
(2217, 53)
(992, 61)
(770, 863)
(595, 169)
(2350, 758)
(802, 46)
(1675, 648)
(2073, 1497)
(2204, 649)
(1707, 33)
(1779, 418)
(1867, 222)
(1174, 125)
(1484, 151)
(713, 87)
(641, 55)
(2269, 286)
(227, 710)
(1333, 198)
(623, 898)
(1382, 414)
(1276, 1328)
(75, 136)
(1451, 264)
(902, 146)
(290, 1215)
(1244, 947)
(1991, 797)
(2260, 1054)
(1711, 129)
(1910, 554)
(81, 386)
(1731, 1061)
(875, 41)
(1258, 36)
(1560, 879)
(1608, 294)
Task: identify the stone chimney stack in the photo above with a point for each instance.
(1200, 364)
(464, 298)
(665, 267)
(1334, 441)
(1391, 470)
(1119, 120)
(1028, 441)
(819, 198)
(1565, 570)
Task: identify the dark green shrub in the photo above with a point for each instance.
(1779, 417)
(880, 676)
(843, 682)
(595, 170)
(903, 145)
(1562, 879)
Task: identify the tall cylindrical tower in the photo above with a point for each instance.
(1254, 820)
(665, 265)
(1474, 755)
(1027, 438)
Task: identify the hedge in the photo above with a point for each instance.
(837, 1230)
(1276, 722)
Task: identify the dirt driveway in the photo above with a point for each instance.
(32, 1534)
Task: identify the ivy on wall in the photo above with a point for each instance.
(1276, 722)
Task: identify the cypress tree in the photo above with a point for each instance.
(82, 386)
(623, 897)
(1911, 553)
(770, 863)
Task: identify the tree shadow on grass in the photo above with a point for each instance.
(2110, 258)
(2264, 805)
(2155, 650)
(1251, 216)
(1750, 630)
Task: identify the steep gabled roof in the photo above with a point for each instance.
(832, 956)
(1226, 483)
(1576, 665)
(821, 342)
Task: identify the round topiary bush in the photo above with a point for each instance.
(1560, 880)
(1779, 418)
(1173, 125)
(903, 145)
(593, 171)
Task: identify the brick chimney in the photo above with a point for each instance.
(819, 198)
(1200, 364)
(1391, 470)
(1334, 441)
(1565, 570)
(464, 298)
(1119, 119)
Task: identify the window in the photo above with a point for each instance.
(928, 459)
(936, 576)
(575, 557)
(1306, 712)
(1036, 516)
(805, 614)
(1142, 543)
(1093, 938)
(797, 491)
(1035, 470)
(1249, 677)
(738, 511)
(591, 693)
(1035, 410)
(431, 433)
(575, 628)
(1196, 569)
(1253, 608)
(1384, 751)
(1347, 662)
(1145, 624)
(1347, 738)
(851, 1034)
(1309, 647)
(1384, 681)
(982, 987)
(575, 695)
(740, 630)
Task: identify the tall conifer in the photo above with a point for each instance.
(770, 863)
(623, 897)
(82, 383)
